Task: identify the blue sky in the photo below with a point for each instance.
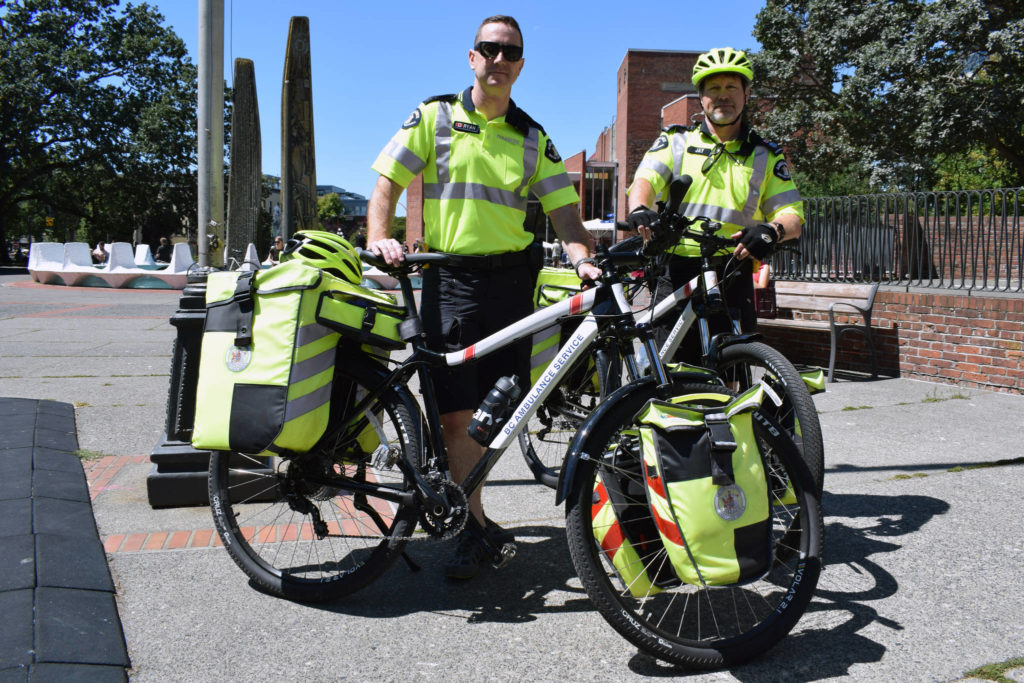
(372, 62)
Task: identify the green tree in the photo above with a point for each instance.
(97, 117)
(891, 92)
(330, 210)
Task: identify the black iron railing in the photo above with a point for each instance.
(953, 240)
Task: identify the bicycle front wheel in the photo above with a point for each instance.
(548, 433)
(694, 625)
(300, 529)
(743, 365)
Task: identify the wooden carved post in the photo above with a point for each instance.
(246, 163)
(298, 163)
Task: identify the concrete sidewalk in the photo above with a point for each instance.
(924, 540)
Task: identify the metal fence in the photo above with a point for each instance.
(951, 240)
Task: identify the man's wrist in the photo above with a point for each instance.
(780, 229)
(587, 259)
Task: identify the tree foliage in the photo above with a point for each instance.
(894, 94)
(330, 210)
(97, 118)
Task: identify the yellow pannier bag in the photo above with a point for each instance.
(553, 285)
(266, 365)
(707, 485)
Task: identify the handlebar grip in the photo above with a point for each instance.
(676, 191)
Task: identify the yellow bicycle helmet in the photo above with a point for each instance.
(722, 60)
(327, 251)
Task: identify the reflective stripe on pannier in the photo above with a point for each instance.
(707, 485)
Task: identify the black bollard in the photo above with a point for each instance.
(179, 474)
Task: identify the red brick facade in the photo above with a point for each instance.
(934, 335)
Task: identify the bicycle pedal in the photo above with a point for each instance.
(505, 555)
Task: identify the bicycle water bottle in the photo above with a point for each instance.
(494, 411)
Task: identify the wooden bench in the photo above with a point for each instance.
(827, 297)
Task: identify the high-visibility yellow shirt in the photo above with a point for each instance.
(476, 174)
(748, 183)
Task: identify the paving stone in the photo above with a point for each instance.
(77, 673)
(61, 484)
(17, 516)
(63, 518)
(57, 439)
(19, 436)
(49, 459)
(16, 635)
(14, 674)
(77, 626)
(17, 563)
(15, 473)
(70, 562)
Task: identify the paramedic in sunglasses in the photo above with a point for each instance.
(739, 180)
(480, 156)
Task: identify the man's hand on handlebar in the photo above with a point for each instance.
(588, 272)
(388, 249)
(756, 240)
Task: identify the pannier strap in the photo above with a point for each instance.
(243, 296)
(722, 446)
(369, 318)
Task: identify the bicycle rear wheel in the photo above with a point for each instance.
(743, 365)
(548, 433)
(298, 532)
(698, 626)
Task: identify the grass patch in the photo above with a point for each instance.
(986, 465)
(996, 672)
(916, 475)
(81, 404)
(84, 454)
(936, 398)
(848, 408)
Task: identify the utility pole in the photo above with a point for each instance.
(210, 124)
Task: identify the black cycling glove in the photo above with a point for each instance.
(641, 215)
(759, 239)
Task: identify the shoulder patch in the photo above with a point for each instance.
(660, 143)
(781, 170)
(551, 153)
(441, 98)
(414, 119)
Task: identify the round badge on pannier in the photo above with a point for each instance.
(237, 359)
(730, 502)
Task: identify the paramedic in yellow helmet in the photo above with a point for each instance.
(480, 156)
(739, 180)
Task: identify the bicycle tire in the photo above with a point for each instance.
(693, 626)
(275, 541)
(741, 365)
(546, 438)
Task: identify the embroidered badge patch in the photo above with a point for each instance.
(730, 503)
(660, 143)
(466, 127)
(413, 120)
(781, 169)
(551, 153)
(237, 359)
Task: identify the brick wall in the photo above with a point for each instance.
(940, 336)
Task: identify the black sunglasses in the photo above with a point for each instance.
(713, 155)
(489, 50)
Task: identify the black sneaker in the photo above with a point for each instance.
(498, 535)
(466, 561)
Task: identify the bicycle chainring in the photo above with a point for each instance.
(440, 524)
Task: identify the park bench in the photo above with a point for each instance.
(808, 301)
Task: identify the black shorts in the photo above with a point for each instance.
(739, 295)
(461, 306)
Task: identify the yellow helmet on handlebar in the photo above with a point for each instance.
(327, 251)
(723, 60)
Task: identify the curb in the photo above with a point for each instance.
(56, 593)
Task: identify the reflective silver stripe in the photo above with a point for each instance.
(552, 184)
(308, 334)
(478, 191)
(781, 199)
(760, 165)
(298, 407)
(656, 166)
(530, 156)
(310, 367)
(405, 156)
(715, 213)
(543, 358)
(678, 150)
(443, 141)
